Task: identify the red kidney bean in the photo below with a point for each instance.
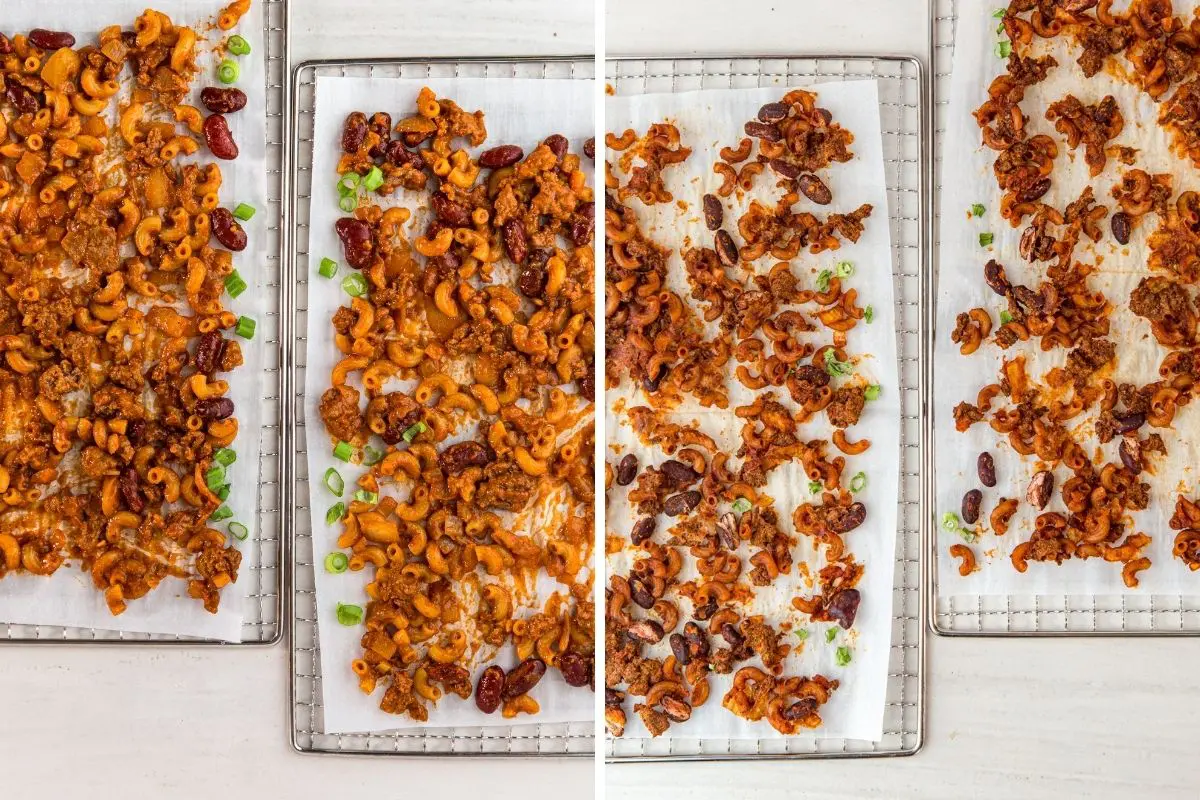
(846, 520)
(523, 678)
(773, 112)
(676, 709)
(696, 640)
(557, 143)
(208, 351)
(1121, 226)
(211, 408)
(136, 431)
(1038, 493)
(5, 45)
(354, 132)
(801, 709)
(489, 689)
(1129, 422)
(970, 506)
(761, 130)
(582, 227)
(587, 386)
(357, 241)
(531, 281)
(129, 490)
(727, 251)
(815, 189)
(785, 168)
(986, 468)
(589, 148)
(21, 98)
(843, 607)
(646, 631)
(679, 649)
(381, 126)
(448, 211)
(514, 241)
(640, 593)
(682, 503)
(1034, 191)
(223, 101)
(43, 39)
(499, 157)
(643, 529)
(575, 668)
(678, 473)
(1131, 454)
(457, 457)
(400, 155)
(993, 274)
(732, 635)
(627, 470)
(220, 140)
(714, 212)
(227, 229)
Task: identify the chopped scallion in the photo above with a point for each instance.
(844, 269)
(363, 496)
(869, 314)
(986, 239)
(1005, 317)
(373, 179)
(354, 284)
(223, 492)
(342, 451)
(802, 634)
(348, 203)
(214, 478)
(328, 268)
(349, 615)
(741, 505)
(225, 456)
(858, 482)
(348, 183)
(814, 487)
(999, 13)
(835, 367)
(978, 210)
(414, 431)
(372, 456)
(333, 480)
(234, 284)
(228, 71)
(238, 45)
(245, 327)
(239, 531)
(873, 391)
(244, 212)
(823, 278)
(1003, 49)
(336, 563)
(221, 513)
(843, 656)
(831, 634)
(335, 512)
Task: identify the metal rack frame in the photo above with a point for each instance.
(906, 128)
(1029, 615)
(265, 554)
(307, 735)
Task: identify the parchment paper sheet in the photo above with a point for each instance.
(707, 121)
(968, 179)
(69, 597)
(522, 112)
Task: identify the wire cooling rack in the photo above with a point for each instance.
(1029, 615)
(263, 555)
(308, 732)
(903, 107)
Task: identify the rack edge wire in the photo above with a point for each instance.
(911, 736)
(536, 740)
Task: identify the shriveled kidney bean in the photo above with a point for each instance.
(129, 490)
(396, 153)
(381, 126)
(589, 148)
(727, 528)
(679, 649)
(640, 593)
(761, 130)
(696, 640)
(6, 46)
(705, 610)
(208, 351)
(627, 469)
(815, 189)
(212, 408)
(1038, 493)
(651, 382)
(356, 241)
(732, 635)
(489, 689)
(1034, 191)
(726, 250)
(986, 467)
(784, 168)
(514, 240)
(613, 698)
(587, 386)
(457, 457)
(843, 607)
(582, 227)
(682, 503)
(223, 101)
(1131, 454)
(1121, 227)
(643, 529)
(523, 678)
(503, 156)
(448, 211)
(21, 98)
(773, 112)
(846, 520)
(801, 709)
(219, 139)
(576, 669)
(714, 212)
(227, 229)
(676, 709)
(354, 132)
(43, 39)
(646, 631)
(531, 281)
(993, 274)
(557, 143)
(970, 506)
(1130, 422)
(678, 473)
(136, 431)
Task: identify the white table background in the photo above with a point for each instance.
(1015, 720)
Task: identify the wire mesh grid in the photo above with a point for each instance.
(308, 734)
(903, 107)
(1045, 614)
(262, 555)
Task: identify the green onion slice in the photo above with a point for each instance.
(843, 656)
(869, 314)
(835, 367)
(858, 482)
(372, 456)
(823, 278)
(741, 505)
(238, 45)
(978, 209)
(349, 183)
(844, 269)
(1003, 49)
(831, 634)
(999, 13)
(228, 71)
(802, 634)
(239, 531)
(223, 492)
(335, 512)
(363, 496)
(348, 203)
(415, 431)
(873, 391)
(214, 478)
(245, 327)
(373, 179)
(328, 268)
(354, 284)
(333, 480)
(221, 513)
(234, 284)
(336, 563)
(244, 212)
(342, 451)
(814, 487)
(1005, 317)
(225, 456)
(986, 239)
(349, 615)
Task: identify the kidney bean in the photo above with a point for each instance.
(714, 212)
(589, 148)
(223, 101)
(514, 240)
(1121, 227)
(773, 112)
(732, 635)
(643, 529)
(136, 431)
(503, 156)
(21, 98)
(993, 273)
(678, 473)
(682, 503)
(531, 281)
(801, 709)
(211, 408)
(646, 631)
(575, 668)
(1034, 191)
(1131, 454)
(557, 143)
(675, 709)
(354, 132)
(726, 250)
(582, 227)
(522, 678)
(846, 520)
(640, 593)
(1038, 493)
(208, 351)
(219, 139)
(489, 689)
(727, 527)
(6, 46)
(651, 382)
(381, 126)
(357, 241)
(784, 168)
(843, 607)
(812, 374)
(43, 39)
(815, 189)
(761, 130)
(399, 155)
(679, 649)
(457, 457)
(129, 490)
(448, 211)
(1129, 422)
(227, 229)
(627, 469)
(970, 506)
(587, 386)
(612, 697)
(986, 468)
(705, 611)
(696, 640)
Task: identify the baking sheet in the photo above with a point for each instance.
(968, 179)
(521, 112)
(68, 598)
(707, 121)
